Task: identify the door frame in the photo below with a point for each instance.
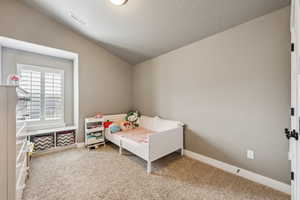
(294, 148)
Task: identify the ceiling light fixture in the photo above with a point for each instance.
(118, 2)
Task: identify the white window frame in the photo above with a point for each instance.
(44, 123)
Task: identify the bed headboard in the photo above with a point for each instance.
(117, 117)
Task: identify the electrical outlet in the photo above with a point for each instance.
(250, 154)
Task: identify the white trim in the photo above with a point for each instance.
(293, 144)
(114, 117)
(44, 131)
(49, 51)
(277, 185)
(35, 48)
(31, 127)
(38, 68)
(76, 94)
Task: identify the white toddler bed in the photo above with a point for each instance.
(154, 138)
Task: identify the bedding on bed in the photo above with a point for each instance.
(139, 135)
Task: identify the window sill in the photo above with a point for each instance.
(41, 126)
(45, 131)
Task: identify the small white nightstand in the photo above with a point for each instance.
(94, 132)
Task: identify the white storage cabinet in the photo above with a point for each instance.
(94, 132)
(13, 146)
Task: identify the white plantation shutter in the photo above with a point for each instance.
(31, 82)
(53, 96)
(46, 88)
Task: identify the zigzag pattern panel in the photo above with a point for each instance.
(65, 139)
(43, 143)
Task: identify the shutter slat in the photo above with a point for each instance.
(53, 96)
(53, 102)
(31, 82)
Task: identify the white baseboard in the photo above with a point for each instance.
(80, 145)
(277, 185)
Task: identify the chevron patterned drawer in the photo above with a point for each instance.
(42, 143)
(65, 138)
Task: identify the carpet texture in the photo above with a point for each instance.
(78, 174)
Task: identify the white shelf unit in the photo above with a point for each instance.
(53, 133)
(13, 147)
(94, 132)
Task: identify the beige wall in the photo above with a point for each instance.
(104, 79)
(232, 90)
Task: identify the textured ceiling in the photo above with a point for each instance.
(144, 29)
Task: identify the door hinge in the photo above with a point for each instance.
(292, 176)
(292, 47)
(295, 134)
(292, 133)
(292, 111)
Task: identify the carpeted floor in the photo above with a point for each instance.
(103, 174)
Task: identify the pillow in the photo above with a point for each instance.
(118, 122)
(114, 128)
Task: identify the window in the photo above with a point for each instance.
(46, 88)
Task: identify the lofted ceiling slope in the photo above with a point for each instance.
(143, 29)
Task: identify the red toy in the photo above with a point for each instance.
(107, 124)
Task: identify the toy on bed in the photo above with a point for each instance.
(125, 125)
(114, 128)
(130, 122)
(132, 117)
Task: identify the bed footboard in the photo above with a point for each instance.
(164, 143)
